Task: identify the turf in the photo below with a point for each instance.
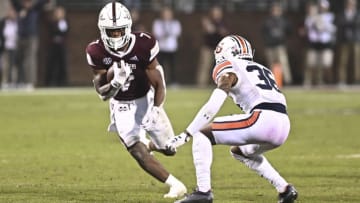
(54, 147)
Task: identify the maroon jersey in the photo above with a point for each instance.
(142, 50)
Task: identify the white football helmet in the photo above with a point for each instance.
(114, 16)
(233, 46)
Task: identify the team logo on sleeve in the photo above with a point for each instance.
(107, 60)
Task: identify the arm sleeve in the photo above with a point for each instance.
(147, 48)
(208, 111)
(94, 56)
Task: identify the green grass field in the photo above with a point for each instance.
(54, 147)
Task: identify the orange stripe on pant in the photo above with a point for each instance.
(235, 125)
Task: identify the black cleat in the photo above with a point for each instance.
(198, 197)
(168, 152)
(289, 196)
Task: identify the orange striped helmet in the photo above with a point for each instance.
(233, 46)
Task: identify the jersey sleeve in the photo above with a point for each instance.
(148, 46)
(94, 56)
(154, 51)
(221, 68)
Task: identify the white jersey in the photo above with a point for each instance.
(255, 85)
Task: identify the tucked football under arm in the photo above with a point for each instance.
(104, 89)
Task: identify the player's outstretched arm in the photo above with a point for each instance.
(207, 112)
(213, 105)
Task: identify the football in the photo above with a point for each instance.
(110, 74)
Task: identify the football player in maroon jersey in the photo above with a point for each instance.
(136, 92)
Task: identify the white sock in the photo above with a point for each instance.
(261, 166)
(202, 157)
(171, 180)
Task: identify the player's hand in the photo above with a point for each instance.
(150, 119)
(177, 141)
(122, 73)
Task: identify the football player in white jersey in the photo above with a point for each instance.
(264, 125)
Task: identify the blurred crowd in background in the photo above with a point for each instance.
(329, 29)
(20, 43)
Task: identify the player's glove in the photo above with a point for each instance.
(122, 74)
(150, 119)
(177, 141)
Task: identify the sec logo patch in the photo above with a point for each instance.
(107, 61)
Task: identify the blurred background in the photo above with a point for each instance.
(312, 43)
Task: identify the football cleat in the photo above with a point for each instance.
(198, 197)
(168, 152)
(176, 191)
(289, 196)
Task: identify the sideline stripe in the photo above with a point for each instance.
(235, 125)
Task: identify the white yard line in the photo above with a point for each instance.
(349, 156)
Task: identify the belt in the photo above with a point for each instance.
(281, 108)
